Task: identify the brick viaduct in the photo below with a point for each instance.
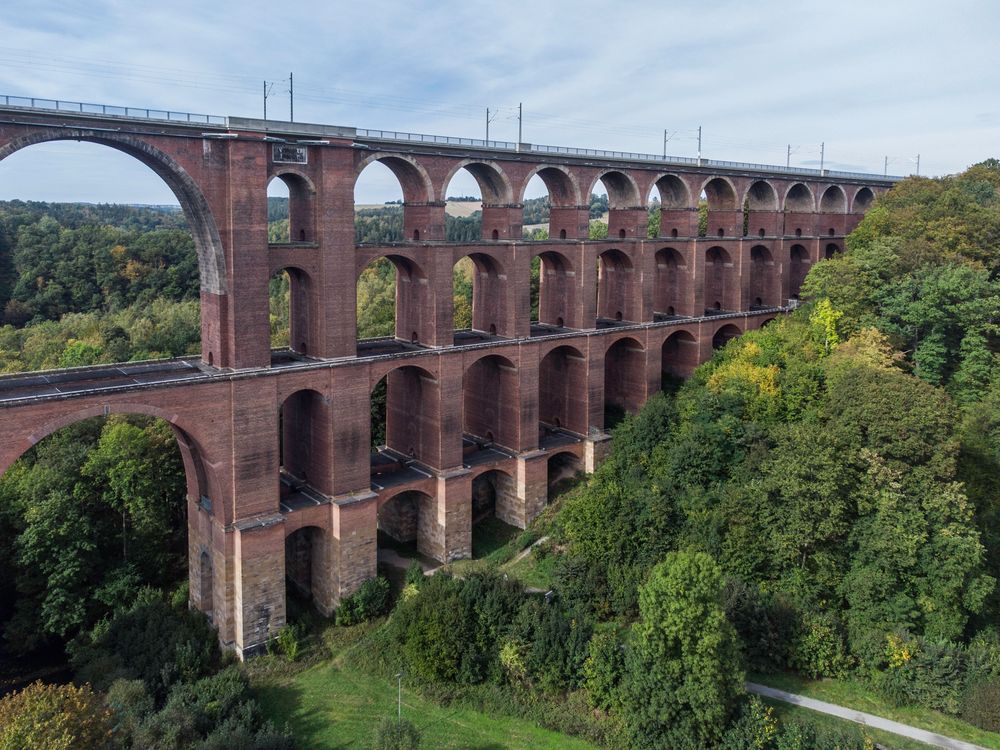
(276, 444)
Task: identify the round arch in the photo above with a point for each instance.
(725, 334)
(623, 192)
(670, 283)
(494, 184)
(205, 231)
(562, 378)
(799, 199)
(413, 178)
(863, 200)
(674, 192)
(833, 200)
(679, 354)
(614, 285)
(555, 299)
(562, 185)
(720, 194)
(490, 407)
(301, 203)
(624, 378)
(761, 196)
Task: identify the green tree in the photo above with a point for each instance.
(682, 679)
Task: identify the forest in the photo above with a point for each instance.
(820, 499)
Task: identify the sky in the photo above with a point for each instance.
(868, 79)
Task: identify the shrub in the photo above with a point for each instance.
(818, 648)
(602, 671)
(414, 574)
(55, 717)
(396, 734)
(130, 703)
(981, 705)
(367, 603)
(288, 642)
(765, 624)
(755, 728)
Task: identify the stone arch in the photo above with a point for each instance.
(614, 285)
(412, 406)
(489, 293)
(562, 185)
(301, 203)
(831, 250)
(674, 192)
(670, 287)
(494, 185)
(414, 180)
(624, 378)
(679, 354)
(761, 196)
(490, 407)
(493, 495)
(557, 293)
(799, 199)
(407, 516)
(303, 311)
(308, 565)
(800, 263)
(304, 427)
(561, 466)
(413, 297)
(725, 334)
(864, 198)
(623, 192)
(562, 385)
(763, 289)
(833, 200)
(720, 194)
(721, 280)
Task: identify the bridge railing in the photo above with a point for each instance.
(162, 115)
(109, 110)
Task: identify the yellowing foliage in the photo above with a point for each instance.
(55, 717)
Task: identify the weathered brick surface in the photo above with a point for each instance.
(243, 423)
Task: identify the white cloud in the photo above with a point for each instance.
(868, 79)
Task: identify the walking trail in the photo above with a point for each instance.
(868, 720)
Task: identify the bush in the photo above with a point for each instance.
(765, 624)
(981, 705)
(55, 717)
(755, 728)
(602, 671)
(923, 673)
(414, 574)
(396, 734)
(818, 648)
(367, 603)
(288, 642)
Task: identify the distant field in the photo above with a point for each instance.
(458, 209)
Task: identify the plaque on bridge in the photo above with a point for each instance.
(284, 153)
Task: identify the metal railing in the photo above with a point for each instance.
(395, 135)
(161, 115)
(108, 110)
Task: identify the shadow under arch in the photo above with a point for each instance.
(204, 229)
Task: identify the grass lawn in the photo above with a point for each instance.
(532, 572)
(855, 695)
(332, 706)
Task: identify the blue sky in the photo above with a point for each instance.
(870, 79)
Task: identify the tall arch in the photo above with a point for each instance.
(207, 241)
(490, 403)
(419, 221)
(626, 211)
(301, 205)
(670, 287)
(396, 300)
(562, 385)
(497, 196)
(305, 432)
(764, 281)
(624, 379)
(564, 198)
(488, 312)
(615, 279)
(721, 280)
(412, 408)
(557, 292)
(308, 567)
(294, 311)
(725, 214)
(800, 265)
(679, 354)
(407, 518)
